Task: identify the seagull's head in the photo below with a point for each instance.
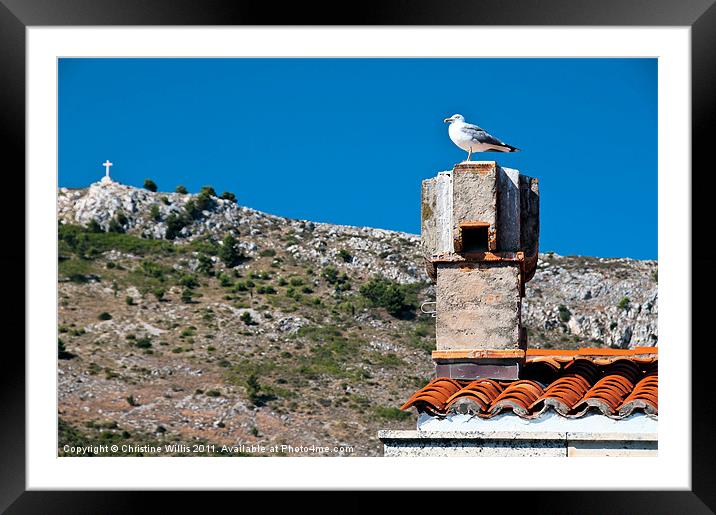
(455, 118)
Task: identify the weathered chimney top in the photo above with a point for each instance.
(480, 233)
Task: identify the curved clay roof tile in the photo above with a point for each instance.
(518, 397)
(434, 394)
(482, 392)
(645, 397)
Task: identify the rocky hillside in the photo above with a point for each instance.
(187, 318)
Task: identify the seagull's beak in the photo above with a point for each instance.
(447, 120)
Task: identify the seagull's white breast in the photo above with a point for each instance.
(463, 139)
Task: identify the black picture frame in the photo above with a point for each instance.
(700, 15)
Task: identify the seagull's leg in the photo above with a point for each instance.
(469, 153)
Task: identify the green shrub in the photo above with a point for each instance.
(330, 274)
(246, 318)
(62, 351)
(132, 401)
(129, 300)
(116, 224)
(228, 252)
(186, 296)
(150, 185)
(206, 265)
(225, 280)
(201, 202)
(209, 190)
(72, 238)
(339, 281)
(104, 316)
(564, 314)
(188, 281)
(143, 343)
(253, 389)
(191, 212)
(181, 189)
(159, 293)
(152, 269)
(154, 213)
(345, 255)
(213, 393)
(175, 224)
(387, 294)
(93, 226)
(623, 303)
(267, 253)
(227, 195)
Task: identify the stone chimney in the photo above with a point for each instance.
(480, 235)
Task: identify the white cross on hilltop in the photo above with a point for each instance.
(106, 179)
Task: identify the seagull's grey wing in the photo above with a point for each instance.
(481, 135)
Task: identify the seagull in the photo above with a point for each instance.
(472, 138)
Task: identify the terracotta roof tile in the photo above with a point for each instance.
(571, 383)
(475, 396)
(433, 397)
(518, 397)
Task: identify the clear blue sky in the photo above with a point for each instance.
(349, 140)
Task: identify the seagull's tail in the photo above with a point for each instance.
(504, 148)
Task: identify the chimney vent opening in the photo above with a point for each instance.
(474, 237)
